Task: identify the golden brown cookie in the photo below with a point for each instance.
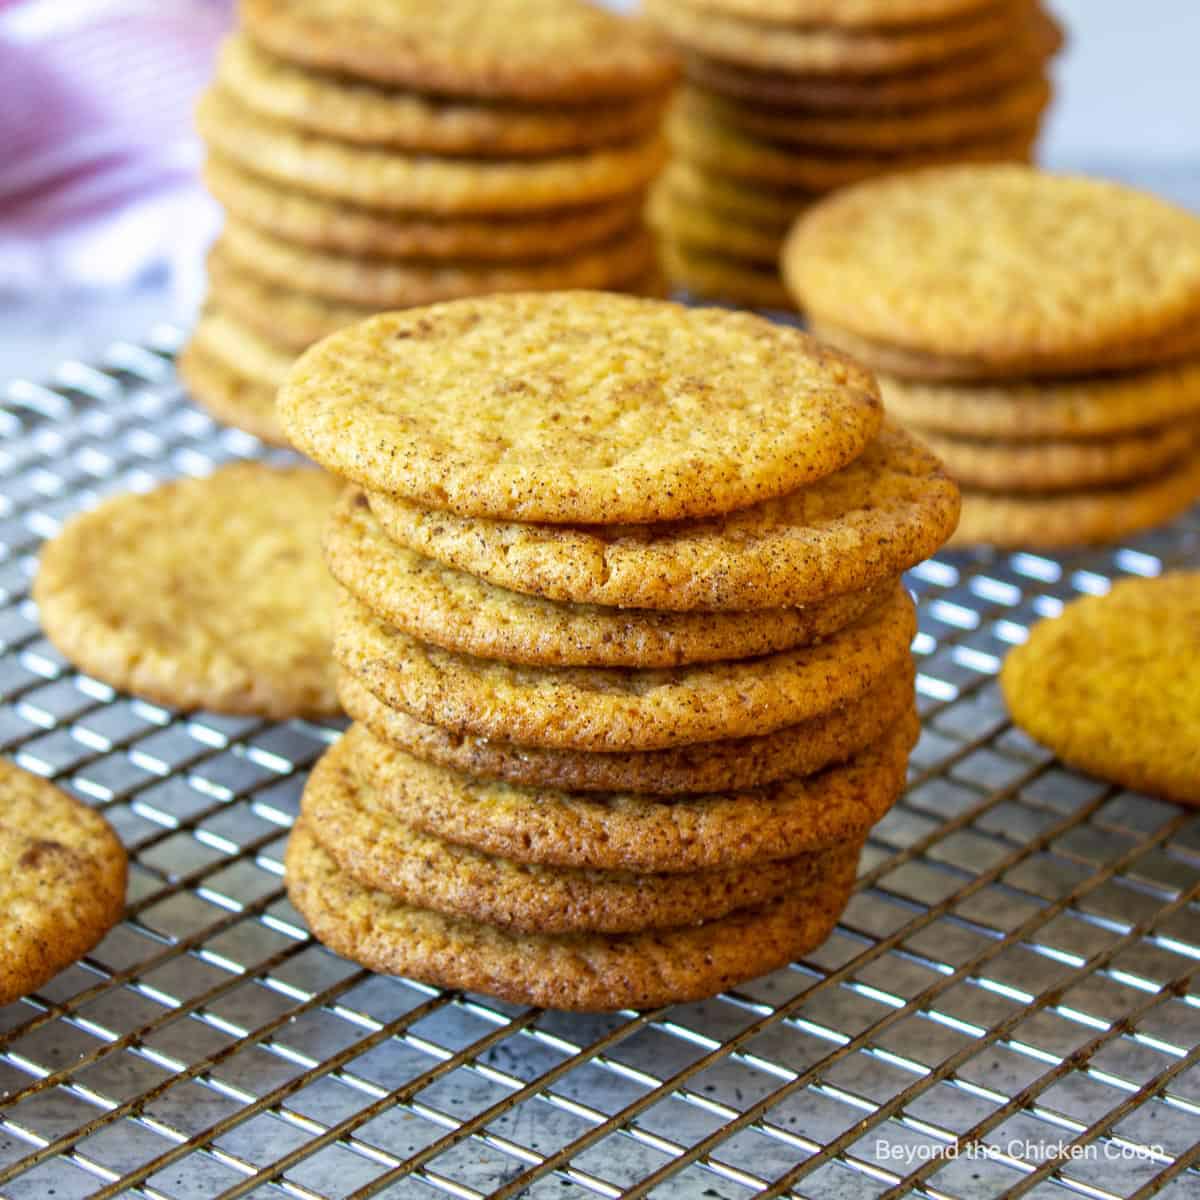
(828, 50)
(588, 972)
(1015, 108)
(372, 283)
(398, 182)
(614, 409)
(614, 709)
(620, 832)
(1085, 518)
(742, 202)
(732, 765)
(332, 225)
(224, 339)
(1061, 465)
(1112, 685)
(369, 843)
(360, 112)
(847, 14)
(1008, 266)
(229, 396)
(721, 278)
(677, 219)
(460, 612)
(1097, 406)
(885, 512)
(204, 593)
(537, 50)
(62, 881)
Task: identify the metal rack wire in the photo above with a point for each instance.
(1008, 1008)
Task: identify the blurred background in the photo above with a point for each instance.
(103, 225)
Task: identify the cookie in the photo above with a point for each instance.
(621, 832)
(1097, 406)
(1008, 266)
(367, 841)
(62, 881)
(1028, 47)
(1112, 685)
(204, 593)
(826, 49)
(224, 339)
(1058, 465)
(759, 161)
(885, 512)
(586, 972)
(229, 396)
(563, 51)
(460, 612)
(752, 204)
(731, 765)
(720, 278)
(615, 408)
(1085, 518)
(324, 224)
(857, 14)
(1015, 108)
(371, 283)
(677, 219)
(398, 182)
(356, 112)
(613, 709)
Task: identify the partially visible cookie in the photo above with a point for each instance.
(677, 218)
(588, 972)
(222, 338)
(872, 15)
(888, 510)
(62, 881)
(623, 832)
(374, 847)
(440, 605)
(721, 278)
(1113, 685)
(229, 396)
(613, 709)
(204, 593)
(721, 766)
(745, 203)
(614, 409)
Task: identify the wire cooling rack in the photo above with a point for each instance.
(1008, 1007)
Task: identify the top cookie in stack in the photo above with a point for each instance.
(1042, 331)
(789, 99)
(623, 633)
(374, 155)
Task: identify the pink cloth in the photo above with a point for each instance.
(97, 155)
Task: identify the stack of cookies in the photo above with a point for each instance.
(623, 636)
(787, 100)
(375, 155)
(1041, 331)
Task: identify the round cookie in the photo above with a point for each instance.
(584, 972)
(1015, 108)
(614, 709)
(371, 233)
(724, 149)
(615, 408)
(358, 112)
(855, 14)
(1029, 45)
(223, 339)
(828, 50)
(1091, 407)
(62, 881)
(204, 593)
(723, 279)
(888, 510)
(753, 204)
(229, 396)
(370, 283)
(732, 765)
(1112, 685)
(1062, 465)
(397, 182)
(676, 218)
(445, 607)
(366, 840)
(1085, 518)
(564, 51)
(1023, 271)
(620, 832)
